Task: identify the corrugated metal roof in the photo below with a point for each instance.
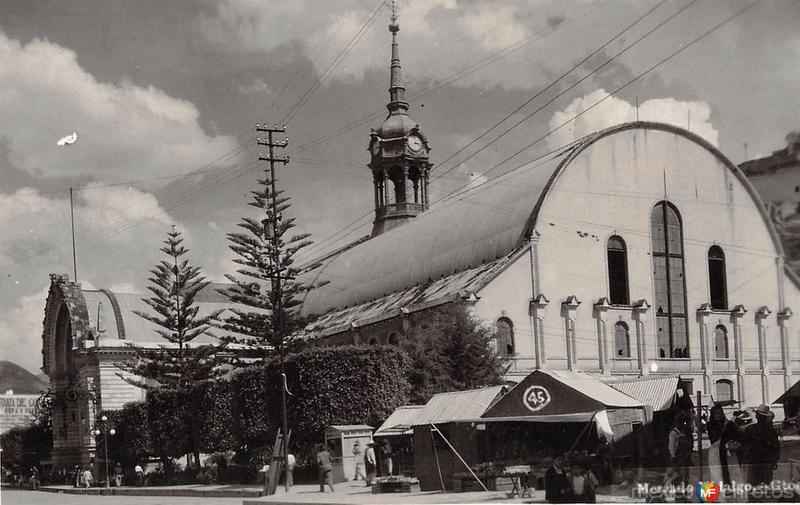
(458, 406)
(594, 388)
(463, 282)
(658, 392)
(399, 421)
(454, 235)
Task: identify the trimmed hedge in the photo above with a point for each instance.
(242, 412)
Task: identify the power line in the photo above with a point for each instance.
(682, 48)
(328, 70)
(570, 88)
(553, 83)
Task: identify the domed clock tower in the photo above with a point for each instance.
(398, 156)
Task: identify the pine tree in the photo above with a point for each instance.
(174, 285)
(265, 251)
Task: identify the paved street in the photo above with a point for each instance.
(18, 497)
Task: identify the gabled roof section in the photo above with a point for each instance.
(558, 396)
(458, 406)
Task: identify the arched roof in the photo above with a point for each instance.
(461, 232)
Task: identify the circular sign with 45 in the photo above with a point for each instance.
(536, 398)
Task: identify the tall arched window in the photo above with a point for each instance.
(373, 341)
(504, 334)
(622, 340)
(617, 271)
(721, 349)
(393, 339)
(717, 282)
(669, 282)
(724, 390)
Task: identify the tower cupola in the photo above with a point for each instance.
(398, 154)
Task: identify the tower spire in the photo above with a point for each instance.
(397, 92)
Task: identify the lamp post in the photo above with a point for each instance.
(106, 432)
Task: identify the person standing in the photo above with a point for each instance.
(386, 455)
(584, 483)
(34, 478)
(139, 474)
(290, 469)
(720, 432)
(762, 448)
(556, 481)
(118, 474)
(370, 462)
(681, 441)
(88, 478)
(325, 469)
(358, 457)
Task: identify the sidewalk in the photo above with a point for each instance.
(194, 490)
(356, 493)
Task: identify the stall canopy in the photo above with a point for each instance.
(656, 392)
(792, 392)
(558, 396)
(400, 421)
(458, 406)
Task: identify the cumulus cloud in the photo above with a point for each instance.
(493, 26)
(36, 241)
(21, 331)
(126, 131)
(613, 110)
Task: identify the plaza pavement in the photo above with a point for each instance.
(356, 493)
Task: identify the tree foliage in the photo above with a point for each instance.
(240, 412)
(174, 284)
(450, 350)
(265, 252)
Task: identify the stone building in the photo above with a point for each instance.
(87, 335)
(640, 249)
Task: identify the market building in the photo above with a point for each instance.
(638, 250)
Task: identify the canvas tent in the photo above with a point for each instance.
(549, 396)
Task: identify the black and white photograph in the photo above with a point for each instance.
(352, 252)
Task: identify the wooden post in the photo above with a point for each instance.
(700, 432)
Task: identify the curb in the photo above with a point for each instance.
(198, 493)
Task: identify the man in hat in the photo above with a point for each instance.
(370, 462)
(761, 447)
(358, 457)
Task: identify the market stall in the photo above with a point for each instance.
(398, 432)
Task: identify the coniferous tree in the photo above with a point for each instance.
(268, 322)
(174, 285)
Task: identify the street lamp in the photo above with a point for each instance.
(106, 432)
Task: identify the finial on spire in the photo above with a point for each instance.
(393, 26)
(397, 93)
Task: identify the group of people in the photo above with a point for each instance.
(366, 463)
(570, 481)
(755, 445)
(85, 478)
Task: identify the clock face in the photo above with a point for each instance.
(376, 147)
(414, 143)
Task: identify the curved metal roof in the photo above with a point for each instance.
(466, 230)
(456, 234)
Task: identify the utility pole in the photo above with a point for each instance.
(273, 221)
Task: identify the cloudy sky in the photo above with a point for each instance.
(164, 96)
